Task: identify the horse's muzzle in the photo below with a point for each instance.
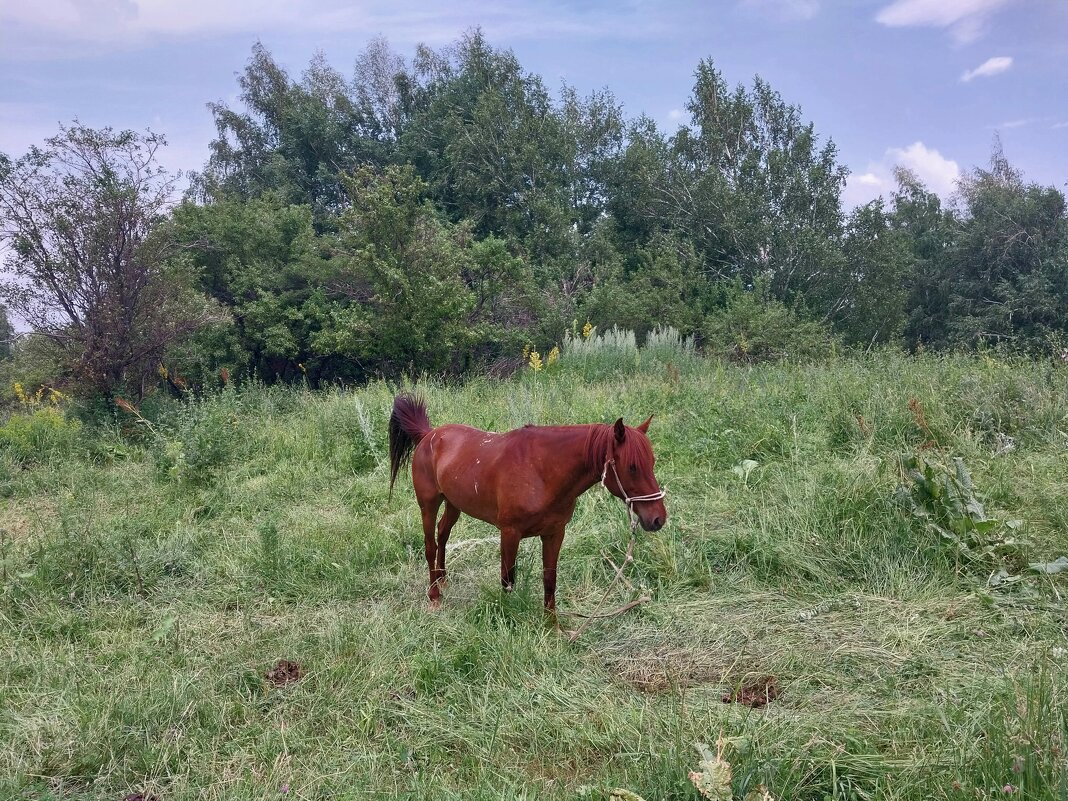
(654, 521)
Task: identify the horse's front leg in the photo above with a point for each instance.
(509, 553)
(550, 555)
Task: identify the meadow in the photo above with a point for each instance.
(213, 598)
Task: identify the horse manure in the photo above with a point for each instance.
(283, 673)
(754, 693)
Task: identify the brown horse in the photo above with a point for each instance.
(525, 482)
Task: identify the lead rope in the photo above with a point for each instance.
(629, 501)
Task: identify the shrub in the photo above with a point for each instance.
(750, 328)
(33, 437)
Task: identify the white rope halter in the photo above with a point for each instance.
(630, 500)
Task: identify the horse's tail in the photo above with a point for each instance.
(408, 424)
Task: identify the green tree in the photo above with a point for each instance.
(293, 138)
(752, 187)
(1009, 266)
(419, 292)
(262, 259)
(995, 274)
(928, 231)
(867, 298)
(492, 149)
(91, 265)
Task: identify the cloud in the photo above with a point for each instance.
(48, 27)
(938, 173)
(992, 66)
(676, 114)
(965, 19)
(784, 10)
(1015, 123)
(1060, 125)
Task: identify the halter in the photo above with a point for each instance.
(630, 500)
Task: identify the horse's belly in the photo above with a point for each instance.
(471, 489)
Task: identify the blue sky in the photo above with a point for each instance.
(923, 83)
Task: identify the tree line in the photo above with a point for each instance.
(437, 213)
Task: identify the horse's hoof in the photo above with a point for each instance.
(434, 605)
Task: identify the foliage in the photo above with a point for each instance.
(944, 499)
(750, 327)
(89, 263)
(38, 434)
(750, 186)
(868, 298)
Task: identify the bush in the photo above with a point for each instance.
(750, 328)
(29, 438)
(201, 438)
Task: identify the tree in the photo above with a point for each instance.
(7, 334)
(292, 138)
(410, 289)
(1009, 267)
(996, 272)
(867, 298)
(749, 183)
(928, 232)
(91, 265)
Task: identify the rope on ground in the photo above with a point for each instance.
(596, 614)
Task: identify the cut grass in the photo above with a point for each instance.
(149, 588)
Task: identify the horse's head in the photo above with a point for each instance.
(629, 474)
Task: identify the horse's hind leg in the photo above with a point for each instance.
(448, 520)
(429, 509)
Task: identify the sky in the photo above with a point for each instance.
(927, 84)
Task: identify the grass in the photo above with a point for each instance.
(153, 574)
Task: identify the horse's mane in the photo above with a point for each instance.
(635, 447)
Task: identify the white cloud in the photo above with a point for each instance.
(49, 27)
(966, 19)
(784, 10)
(1015, 123)
(938, 173)
(676, 114)
(992, 66)
(1060, 125)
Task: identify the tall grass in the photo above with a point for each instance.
(150, 581)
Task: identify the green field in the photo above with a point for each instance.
(155, 571)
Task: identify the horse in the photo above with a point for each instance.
(525, 482)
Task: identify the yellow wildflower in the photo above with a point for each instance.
(554, 354)
(535, 361)
(526, 352)
(162, 370)
(587, 330)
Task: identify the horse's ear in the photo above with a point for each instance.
(621, 430)
(644, 427)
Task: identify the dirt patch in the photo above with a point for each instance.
(23, 520)
(754, 693)
(666, 669)
(284, 672)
